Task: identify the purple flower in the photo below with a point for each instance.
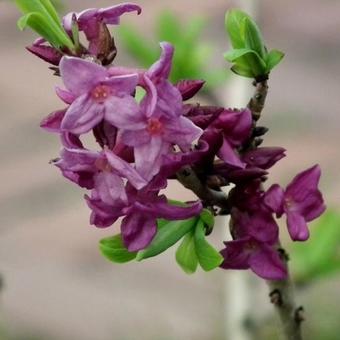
(100, 171)
(93, 23)
(160, 124)
(264, 157)
(188, 88)
(260, 257)
(202, 116)
(139, 225)
(302, 202)
(259, 225)
(235, 126)
(45, 52)
(98, 96)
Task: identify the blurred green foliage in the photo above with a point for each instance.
(192, 55)
(319, 257)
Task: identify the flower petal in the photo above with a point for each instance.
(264, 157)
(110, 188)
(103, 215)
(168, 211)
(138, 231)
(123, 112)
(266, 263)
(125, 170)
(53, 121)
(66, 96)
(274, 198)
(188, 88)
(83, 115)
(110, 15)
(181, 131)
(162, 67)
(235, 255)
(122, 85)
(297, 227)
(228, 154)
(148, 157)
(79, 75)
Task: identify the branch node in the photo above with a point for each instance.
(276, 298)
(299, 315)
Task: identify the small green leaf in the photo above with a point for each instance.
(208, 257)
(208, 218)
(41, 16)
(167, 236)
(273, 58)
(235, 54)
(242, 71)
(114, 250)
(186, 254)
(40, 25)
(234, 20)
(253, 37)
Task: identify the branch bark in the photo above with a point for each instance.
(282, 291)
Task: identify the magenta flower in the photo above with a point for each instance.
(159, 125)
(188, 88)
(93, 23)
(89, 21)
(45, 52)
(139, 225)
(259, 225)
(302, 202)
(236, 128)
(260, 257)
(264, 157)
(99, 171)
(98, 95)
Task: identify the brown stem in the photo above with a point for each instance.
(282, 291)
(190, 180)
(256, 103)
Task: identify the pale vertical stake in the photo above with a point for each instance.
(240, 287)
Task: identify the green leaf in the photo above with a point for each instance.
(242, 71)
(319, 257)
(41, 16)
(235, 54)
(234, 20)
(40, 6)
(248, 60)
(273, 58)
(186, 254)
(167, 236)
(253, 37)
(114, 250)
(208, 218)
(40, 25)
(208, 257)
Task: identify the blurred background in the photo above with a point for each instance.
(57, 286)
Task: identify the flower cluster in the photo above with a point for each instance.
(144, 143)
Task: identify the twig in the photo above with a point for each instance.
(190, 180)
(282, 291)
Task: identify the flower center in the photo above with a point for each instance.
(100, 93)
(289, 203)
(155, 127)
(103, 165)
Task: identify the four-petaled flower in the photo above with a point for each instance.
(98, 95)
(302, 202)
